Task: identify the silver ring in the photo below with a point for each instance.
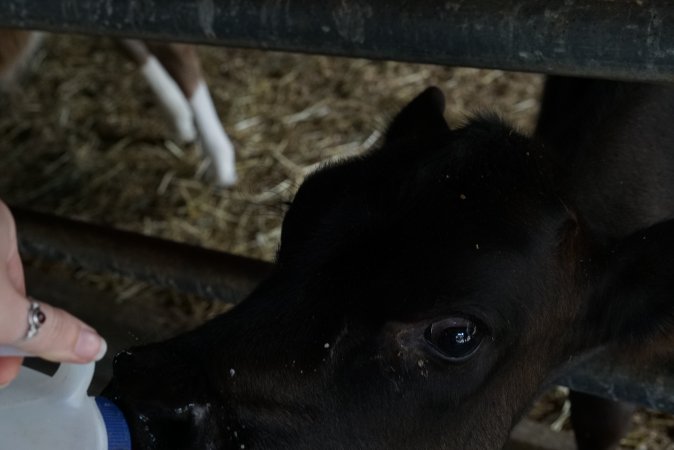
(35, 320)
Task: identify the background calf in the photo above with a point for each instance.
(173, 72)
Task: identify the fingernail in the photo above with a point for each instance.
(89, 344)
(102, 351)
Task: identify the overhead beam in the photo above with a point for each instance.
(621, 39)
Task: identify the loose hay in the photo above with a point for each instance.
(83, 137)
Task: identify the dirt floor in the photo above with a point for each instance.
(82, 136)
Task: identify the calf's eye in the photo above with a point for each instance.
(455, 338)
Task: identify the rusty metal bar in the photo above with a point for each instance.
(622, 39)
(187, 268)
(650, 383)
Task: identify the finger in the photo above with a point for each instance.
(9, 369)
(15, 273)
(9, 249)
(7, 232)
(14, 312)
(61, 337)
(64, 338)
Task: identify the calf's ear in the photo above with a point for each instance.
(634, 297)
(423, 116)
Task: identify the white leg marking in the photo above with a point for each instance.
(213, 137)
(171, 98)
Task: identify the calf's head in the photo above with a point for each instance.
(423, 293)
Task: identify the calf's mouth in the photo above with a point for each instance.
(163, 412)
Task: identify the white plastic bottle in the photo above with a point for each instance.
(42, 412)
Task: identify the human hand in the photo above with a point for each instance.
(61, 338)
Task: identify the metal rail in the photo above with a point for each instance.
(623, 39)
(187, 268)
(648, 383)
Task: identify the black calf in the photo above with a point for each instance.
(425, 292)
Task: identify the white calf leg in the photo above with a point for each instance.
(214, 140)
(171, 98)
